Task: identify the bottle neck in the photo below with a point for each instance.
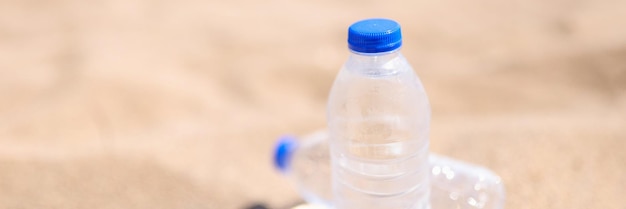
(375, 64)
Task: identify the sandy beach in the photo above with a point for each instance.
(176, 104)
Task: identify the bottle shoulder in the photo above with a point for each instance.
(377, 65)
(389, 87)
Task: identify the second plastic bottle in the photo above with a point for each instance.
(378, 120)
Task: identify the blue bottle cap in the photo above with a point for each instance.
(283, 151)
(374, 36)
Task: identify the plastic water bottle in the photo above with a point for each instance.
(378, 120)
(307, 163)
(453, 184)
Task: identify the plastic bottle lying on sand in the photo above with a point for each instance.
(378, 123)
(453, 184)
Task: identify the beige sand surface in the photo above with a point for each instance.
(176, 104)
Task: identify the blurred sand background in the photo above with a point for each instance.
(176, 104)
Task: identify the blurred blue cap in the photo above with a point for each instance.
(283, 152)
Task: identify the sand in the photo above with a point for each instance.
(176, 104)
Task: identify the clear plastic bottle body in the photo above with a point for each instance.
(453, 184)
(309, 169)
(378, 120)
